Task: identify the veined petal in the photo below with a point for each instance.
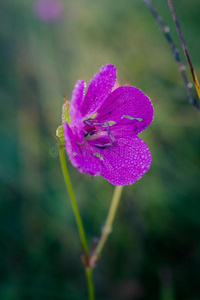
(77, 98)
(75, 106)
(81, 156)
(127, 106)
(101, 137)
(121, 164)
(98, 90)
(125, 162)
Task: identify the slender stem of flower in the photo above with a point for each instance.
(90, 283)
(73, 200)
(78, 221)
(108, 226)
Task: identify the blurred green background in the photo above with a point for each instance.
(154, 249)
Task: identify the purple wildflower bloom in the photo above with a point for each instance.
(101, 137)
(48, 10)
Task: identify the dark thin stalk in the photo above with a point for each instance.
(165, 29)
(185, 49)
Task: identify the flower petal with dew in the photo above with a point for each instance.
(101, 137)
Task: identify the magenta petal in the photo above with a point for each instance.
(101, 138)
(127, 106)
(81, 156)
(75, 114)
(77, 98)
(125, 162)
(99, 89)
(122, 164)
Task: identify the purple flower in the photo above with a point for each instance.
(48, 10)
(101, 128)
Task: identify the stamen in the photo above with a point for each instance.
(131, 118)
(98, 155)
(87, 122)
(111, 136)
(103, 146)
(91, 128)
(111, 123)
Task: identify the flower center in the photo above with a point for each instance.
(90, 130)
(94, 130)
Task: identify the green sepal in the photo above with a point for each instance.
(66, 112)
(60, 135)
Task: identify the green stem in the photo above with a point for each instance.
(108, 226)
(78, 221)
(90, 283)
(73, 200)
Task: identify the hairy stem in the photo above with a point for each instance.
(108, 226)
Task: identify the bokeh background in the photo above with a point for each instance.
(154, 249)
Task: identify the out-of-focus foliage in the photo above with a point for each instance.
(154, 249)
